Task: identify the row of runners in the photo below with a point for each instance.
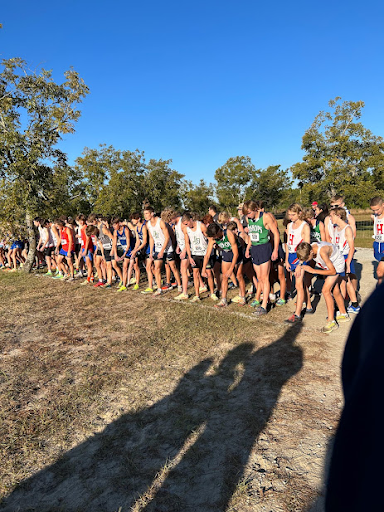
(217, 251)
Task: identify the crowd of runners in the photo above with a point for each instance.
(212, 254)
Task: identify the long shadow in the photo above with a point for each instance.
(204, 432)
(358, 271)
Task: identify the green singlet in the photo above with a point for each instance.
(224, 243)
(315, 234)
(258, 233)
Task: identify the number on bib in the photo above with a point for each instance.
(254, 237)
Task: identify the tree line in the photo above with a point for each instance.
(340, 156)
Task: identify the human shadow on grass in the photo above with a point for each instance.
(190, 448)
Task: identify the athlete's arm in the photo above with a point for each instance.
(287, 265)
(235, 250)
(322, 231)
(352, 223)
(70, 241)
(151, 244)
(188, 246)
(306, 233)
(165, 231)
(329, 271)
(271, 224)
(211, 243)
(326, 228)
(351, 243)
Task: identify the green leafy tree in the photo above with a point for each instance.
(341, 156)
(35, 112)
(233, 181)
(270, 185)
(162, 185)
(123, 193)
(196, 198)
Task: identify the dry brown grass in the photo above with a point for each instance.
(119, 401)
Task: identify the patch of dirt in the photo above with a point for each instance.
(123, 402)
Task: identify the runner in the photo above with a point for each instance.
(297, 231)
(330, 263)
(121, 250)
(160, 247)
(196, 248)
(261, 251)
(377, 207)
(141, 250)
(67, 250)
(344, 240)
(232, 259)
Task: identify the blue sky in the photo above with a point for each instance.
(198, 82)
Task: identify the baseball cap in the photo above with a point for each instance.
(315, 203)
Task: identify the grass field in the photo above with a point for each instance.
(125, 402)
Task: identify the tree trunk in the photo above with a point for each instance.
(32, 243)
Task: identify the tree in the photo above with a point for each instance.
(196, 198)
(270, 185)
(34, 113)
(233, 180)
(124, 191)
(162, 185)
(341, 155)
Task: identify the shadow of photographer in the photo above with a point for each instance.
(186, 452)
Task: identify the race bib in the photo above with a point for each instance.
(254, 237)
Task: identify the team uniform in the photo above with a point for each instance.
(261, 249)
(338, 238)
(315, 232)
(336, 258)
(198, 244)
(378, 233)
(294, 238)
(226, 249)
(159, 240)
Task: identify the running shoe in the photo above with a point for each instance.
(85, 282)
(203, 289)
(255, 303)
(132, 280)
(158, 292)
(122, 289)
(166, 287)
(195, 299)
(147, 291)
(281, 302)
(182, 296)
(294, 319)
(70, 279)
(59, 276)
(107, 285)
(174, 284)
(214, 297)
(260, 311)
(354, 310)
(309, 311)
(329, 327)
(99, 283)
(272, 298)
(342, 317)
(49, 274)
(239, 300)
(136, 287)
(222, 304)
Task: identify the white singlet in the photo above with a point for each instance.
(338, 238)
(294, 236)
(378, 229)
(197, 240)
(179, 235)
(337, 259)
(158, 236)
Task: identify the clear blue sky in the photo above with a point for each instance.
(198, 82)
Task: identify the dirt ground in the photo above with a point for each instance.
(121, 402)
